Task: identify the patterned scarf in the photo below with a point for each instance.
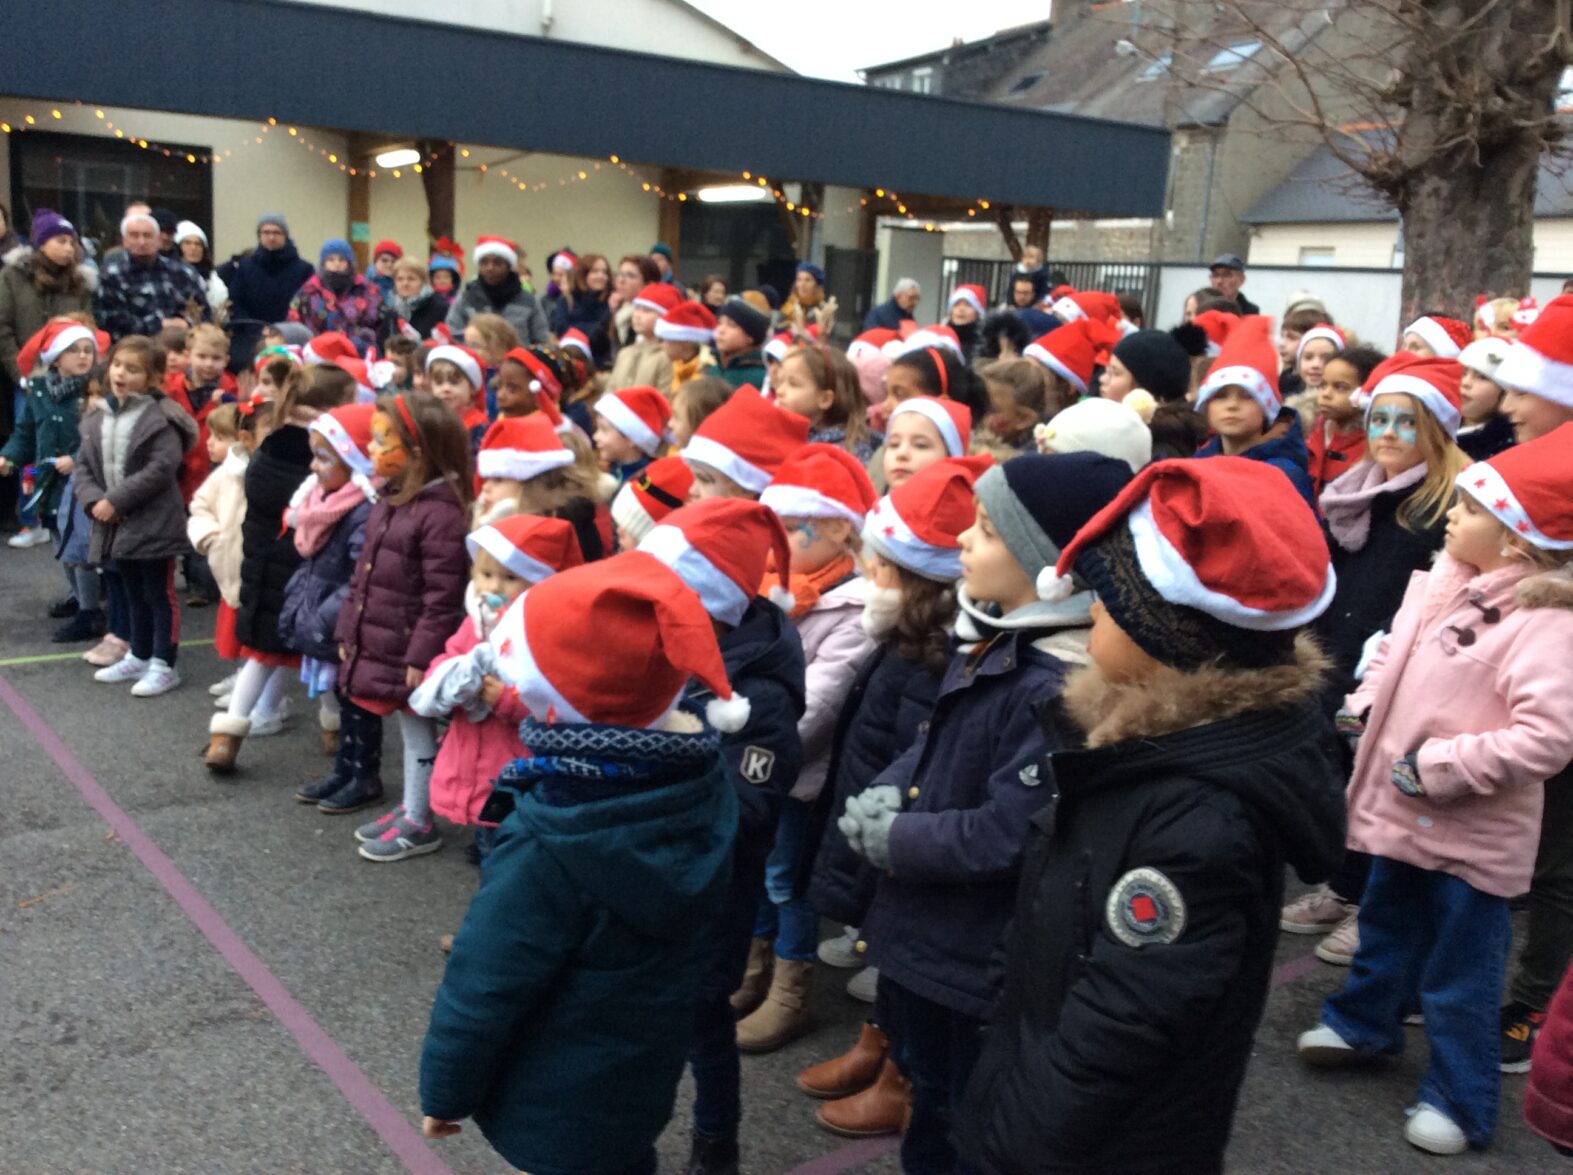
(573, 763)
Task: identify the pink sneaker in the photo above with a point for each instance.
(107, 651)
(1339, 947)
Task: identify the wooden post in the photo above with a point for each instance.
(1039, 221)
(1002, 214)
(359, 197)
(437, 179)
(670, 222)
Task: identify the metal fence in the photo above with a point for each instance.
(1139, 278)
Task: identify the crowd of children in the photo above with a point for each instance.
(1047, 651)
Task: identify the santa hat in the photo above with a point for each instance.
(779, 345)
(871, 343)
(634, 605)
(1526, 489)
(53, 340)
(952, 419)
(687, 322)
(575, 339)
(521, 447)
(370, 378)
(661, 297)
(931, 336)
(532, 547)
(496, 247)
(747, 439)
(1086, 304)
(1446, 336)
(919, 523)
(461, 357)
(1433, 382)
(562, 259)
(719, 547)
(1197, 560)
(1217, 325)
(640, 414)
(544, 385)
(973, 295)
(326, 349)
(821, 481)
(1072, 350)
(1540, 361)
(1325, 331)
(1485, 355)
(659, 489)
(1248, 360)
(348, 432)
(1528, 310)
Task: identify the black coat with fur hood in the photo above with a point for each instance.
(1139, 959)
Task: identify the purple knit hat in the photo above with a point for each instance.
(48, 224)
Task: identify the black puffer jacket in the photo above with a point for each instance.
(268, 554)
(1139, 958)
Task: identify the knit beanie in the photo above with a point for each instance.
(754, 323)
(190, 228)
(337, 247)
(391, 248)
(274, 218)
(1157, 362)
(49, 224)
(1484, 356)
(1108, 427)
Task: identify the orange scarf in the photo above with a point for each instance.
(807, 587)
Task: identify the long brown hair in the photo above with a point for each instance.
(578, 288)
(830, 368)
(922, 628)
(436, 442)
(320, 388)
(1433, 497)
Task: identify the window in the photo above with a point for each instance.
(1319, 257)
(1233, 57)
(923, 80)
(1564, 98)
(888, 82)
(1025, 83)
(1156, 68)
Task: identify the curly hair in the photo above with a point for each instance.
(922, 628)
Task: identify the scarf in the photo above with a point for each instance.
(881, 610)
(1346, 501)
(684, 370)
(579, 762)
(503, 292)
(405, 307)
(60, 388)
(339, 283)
(807, 587)
(314, 514)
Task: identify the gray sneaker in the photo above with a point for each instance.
(402, 838)
(372, 829)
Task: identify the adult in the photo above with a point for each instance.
(1227, 274)
(498, 290)
(965, 317)
(635, 271)
(261, 284)
(896, 309)
(661, 256)
(8, 238)
(167, 223)
(808, 293)
(586, 306)
(413, 303)
(713, 291)
(37, 284)
(192, 244)
(140, 291)
(338, 298)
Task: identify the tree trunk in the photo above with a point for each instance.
(1039, 221)
(1002, 215)
(437, 178)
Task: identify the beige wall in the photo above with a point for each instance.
(1363, 244)
(1554, 246)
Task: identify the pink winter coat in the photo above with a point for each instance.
(1491, 720)
(834, 649)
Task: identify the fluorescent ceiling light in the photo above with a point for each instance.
(733, 194)
(403, 157)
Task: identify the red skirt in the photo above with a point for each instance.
(275, 660)
(225, 643)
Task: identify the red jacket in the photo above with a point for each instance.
(1548, 1098)
(195, 467)
(1331, 457)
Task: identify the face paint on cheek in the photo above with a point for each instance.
(388, 457)
(807, 535)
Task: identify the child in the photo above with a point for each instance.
(1535, 375)
(1240, 400)
(947, 821)
(1296, 321)
(1316, 348)
(337, 298)
(693, 403)
(444, 274)
(868, 357)
(272, 368)
(1141, 950)
(405, 599)
(630, 430)
(923, 430)
(821, 385)
(1102, 426)
(491, 336)
(1153, 361)
(642, 502)
(1337, 439)
(1436, 336)
(1018, 401)
(385, 256)
(128, 480)
(1470, 738)
(403, 354)
(822, 496)
(685, 332)
(525, 468)
(1485, 431)
(527, 383)
(1070, 354)
(567, 1007)
(740, 330)
(218, 511)
(933, 372)
(199, 386)
(455, 375)
(643, 362)
(738, 448)
(174, 340)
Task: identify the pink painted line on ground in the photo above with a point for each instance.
(1295, 969)
(402, 1138)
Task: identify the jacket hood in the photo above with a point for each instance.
(21, 258)
(180, 420)
(1072, 616)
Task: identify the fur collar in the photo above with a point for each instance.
(22, 257)
(1172, 701)
(1546, 589)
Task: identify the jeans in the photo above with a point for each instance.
(152, 611)
(718, 1095)
(936, 1049)
(1420, 929)
(787, 919)
(360, 743)
(1548, 943)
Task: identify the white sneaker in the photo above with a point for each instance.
(864, 985)
(842, 951)
(159, 679)
(1431, 1130)
(28, 537)
(1325, 1048)
(263, 725)
(219, 688)
(128, 668)
(222, 701)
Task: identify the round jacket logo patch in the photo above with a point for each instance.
(1145, 907)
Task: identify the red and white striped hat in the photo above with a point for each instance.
(687, 322)
(575, 339)
(497, 247)
(661, 297)
(951, 418)
(1527, 490)
(1073, 350)
(1327, 333)
(973, 295)
(347, 429)
(521, 447)
(327, 348)
(532, 547)
(1086, 304)
(1432, 382)
(821, 481)
(1247, 360)
(1540, 361)
(461, 357)
(659, 489)
(719, 547)
(747, 439)
(640, 414)
(919, 523)
(1446, 336)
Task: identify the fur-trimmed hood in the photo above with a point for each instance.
(21, 258)
(1546, 589)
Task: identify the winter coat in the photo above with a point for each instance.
(218, 515)
(1283, 448)
(1548, 1097)
(25, 306)
(886, 316)
(1142, 947)
(134, 297)
(152, 517)
(592, 316)
(261, 284)
(641, 364)
(46, 429)
(315, 593)
(834, 647)
(567, 1006)
(407, 594)
(1330, 457)
(429, 309)
(1484, 441)
(355, 312)
(199, 402)
(523, 313)
(1488, 722)
(746, 368)
(268, 554)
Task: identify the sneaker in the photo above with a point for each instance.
(159, 679)
(64, 608)
(1431, 1130)
(864, 984)
(222, 701)
(1520, 1025)
(842, 951)
(128, 668)
(1339, 947)
(1325, 1049)
(352, 797)
(402, 838)
(227, 686)
(35, 536)
(107, 651)
(372, 829)
(1314, 913)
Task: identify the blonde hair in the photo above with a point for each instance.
(409, 265)
(207, 332)
(1434, 497)
(497, 334)
(832, 371)
(224, 422)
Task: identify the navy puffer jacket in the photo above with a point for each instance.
(315, 594)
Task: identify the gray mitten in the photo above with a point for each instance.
(866, 823)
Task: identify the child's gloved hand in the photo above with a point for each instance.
(1350, 727)
(1406, 776)
(866, 823)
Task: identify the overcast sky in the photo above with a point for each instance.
(834, 38)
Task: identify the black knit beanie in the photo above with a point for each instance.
(754, 323)
(1158, 362)
(1037, 503)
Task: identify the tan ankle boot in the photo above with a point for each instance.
(785, 1014)
(882, 1108)
(756, 979)
(225, 734)
(852, 1072)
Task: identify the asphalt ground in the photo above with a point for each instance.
(203, 976)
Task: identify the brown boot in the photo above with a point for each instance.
(852, 1072)
(225, 734)
(882, 1108)
(785, 1014)
(756, 979)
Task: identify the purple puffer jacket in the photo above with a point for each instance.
(407, 594)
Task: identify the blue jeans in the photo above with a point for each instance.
(782, 917)
(936, 1049)
(1431, 932)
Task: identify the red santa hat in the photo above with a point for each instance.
(931, 336)
(1247, 360)
(575, 339)
(1526, 488)
(1327, 333)
(871, 343)
(973, 295)
(370, 378)
(633, 604)
(659, 489)
(747, 439)
(347, 430)
(532, 547)
(952, 419)
(919, 523)
(1086, 304)
(1540, 361)
(1528, 310)
(1073, 350)
(779, 345)
(687, 322)
(1432, 382)
(821, 481)
(1446, 336)
(497, 247)
(53, 340)
(661, 297)
(461, 357)
(719, 547)
(1217, 325)
(562, 259)
(521, 447)
(640, 414)
(327, 349)
(544, 385)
